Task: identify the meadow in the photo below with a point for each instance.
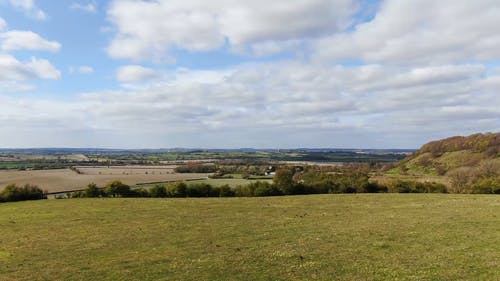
(318, 237)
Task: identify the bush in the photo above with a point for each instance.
(92, 191)
(375, 187)
(226, 191)
(486, 186)
(283, 180)
(178, 189)
(158, 191)
(263, 188)
(117, 189)
(139, 192)
(196, 168)
(245, 190)
(12, 193)
(417, 187)
(201, 190)
(433, 187)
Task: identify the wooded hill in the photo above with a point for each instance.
(469, 162)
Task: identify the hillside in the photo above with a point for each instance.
(319, 237)
(442, 156)
(468, 163)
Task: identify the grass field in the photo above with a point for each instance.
(59, 180)
(325, 237)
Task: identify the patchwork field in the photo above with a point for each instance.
(66, 180)
(320, 237)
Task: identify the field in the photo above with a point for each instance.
(230, 182)
(321, 237)
(66, 180)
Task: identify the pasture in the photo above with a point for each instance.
(59, 180)
(320, 237)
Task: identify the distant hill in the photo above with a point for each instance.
(442, 156)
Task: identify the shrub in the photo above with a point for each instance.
(245, 190)
(283, 180)
(263, 188)
(178, 189)
(433, 187)
(117, 189)
(226, 191)
(158, 191)
(201, 190)
(375, 187)
(12, 193)
(139, 192)
(417, 187)
(486, 186)
(196, 168)
(92, 191)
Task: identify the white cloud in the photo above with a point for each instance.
(149, 30)
(26, 40)
(13, 70)
(84, 69)
(29, 7)
(89, 7)
(135, 73)
(14, 74)
(43, 69)
(275, 105)
(15, 86)
(421, 32)
(3, 24)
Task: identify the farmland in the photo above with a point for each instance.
(58, 180)
(61, 170)
(320, 237)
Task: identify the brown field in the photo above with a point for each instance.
(126, 170)
(61, 180)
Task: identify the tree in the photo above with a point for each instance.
(92, 191)
(283, 180)
(117, 189)
(13, 193)
(178, 189)
(158, 191)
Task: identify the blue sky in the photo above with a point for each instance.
(228, 74)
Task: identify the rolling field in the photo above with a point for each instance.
(66, 180)
(230, 182)
(321, 237)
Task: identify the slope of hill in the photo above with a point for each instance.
(318, 237)
(467, 161)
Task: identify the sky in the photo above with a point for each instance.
(237, 73)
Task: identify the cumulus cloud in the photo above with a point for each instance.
(30, 8)
(149, 30)
(89, 7)
(3, 24)
(12, 69)
(84, 69)
(421, 32)
(135, 73)
(284, 104)
(26, 40)
(14, 73)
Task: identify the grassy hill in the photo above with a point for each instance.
(465, 164)
(442, 156)
(321, 237)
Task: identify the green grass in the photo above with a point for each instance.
(322, 237)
